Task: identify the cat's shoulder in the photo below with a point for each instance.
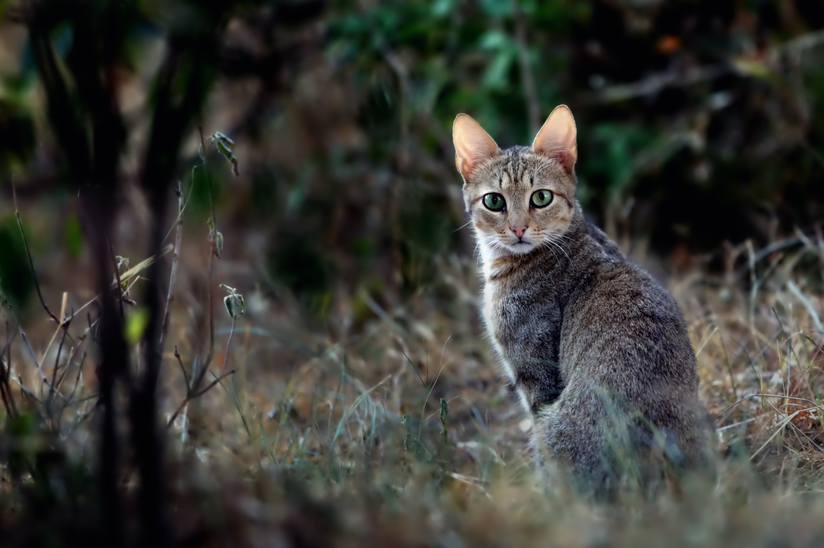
(602, 241)
(618, 283)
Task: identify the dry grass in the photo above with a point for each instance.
(389, 424)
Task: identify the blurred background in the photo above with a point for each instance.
(306, 149)
(701, 122)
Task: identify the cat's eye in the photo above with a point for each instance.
(541, 198)
(494, 201)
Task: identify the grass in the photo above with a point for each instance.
(391, 425)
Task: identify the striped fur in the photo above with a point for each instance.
(596, 347)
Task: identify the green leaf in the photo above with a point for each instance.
(498, 8)
(620, 146)
(495, 40)
(136, 323)
(753, 68)
(496, 76)
(443, 8)
(22, 426)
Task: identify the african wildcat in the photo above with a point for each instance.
(598, 350)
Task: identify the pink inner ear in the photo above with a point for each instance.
(465, 167)
(565, 158)
(473, 153)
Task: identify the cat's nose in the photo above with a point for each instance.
(519, 230)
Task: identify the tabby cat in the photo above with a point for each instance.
(596, 347)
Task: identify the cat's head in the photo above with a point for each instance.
(521, 198)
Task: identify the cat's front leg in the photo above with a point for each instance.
(541, 385)
(523, 398)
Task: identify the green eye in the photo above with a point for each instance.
(541, 198)
(494, 201)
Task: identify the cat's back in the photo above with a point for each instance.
(624, 343)
(622, 326)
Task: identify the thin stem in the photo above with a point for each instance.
(32, 271)
(174, 265)
(192, 395)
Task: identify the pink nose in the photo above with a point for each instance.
(519, 230)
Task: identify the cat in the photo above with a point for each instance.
(597, 349)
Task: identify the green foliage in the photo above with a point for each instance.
(17, 136)
(16, 284)
(25, 442)
(645, 126)
(621, 147)
(51, 494)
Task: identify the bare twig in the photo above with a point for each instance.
(213, 383)
(656, 83)
(174, 265)
(117, 278)
(30, 263)
(226, 353)
(210, 268)
(5, 374)
(55, 368)
(196, 394)
(808, 306)
(182, 368)
(130, 277)
(766, 251)
(780, 428)
(444, 363)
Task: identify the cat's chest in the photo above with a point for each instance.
(492, 309)
(523, 322)
(506, 313)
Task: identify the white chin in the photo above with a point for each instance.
(521, 248)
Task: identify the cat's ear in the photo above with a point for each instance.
(557, 138)
(472, 144)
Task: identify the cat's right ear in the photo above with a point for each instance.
(473, 145)
(557, 138)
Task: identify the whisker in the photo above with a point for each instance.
(554, 244)
(562, 250)
(562, 236)
(545, 245)
(463, 226)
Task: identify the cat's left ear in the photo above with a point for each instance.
(557, 138)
